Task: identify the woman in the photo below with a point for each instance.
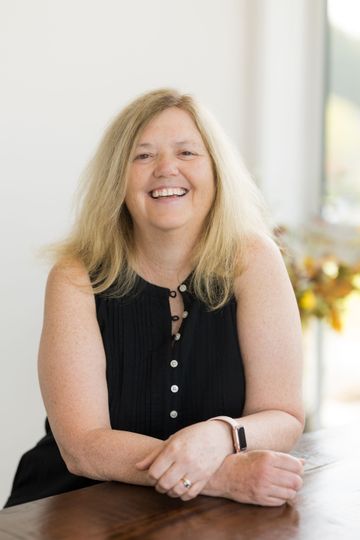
(167, 297)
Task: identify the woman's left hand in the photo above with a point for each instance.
(193, 453)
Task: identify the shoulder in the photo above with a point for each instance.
(262, 262)
(69, 271)
(68, 281)
(262, 246)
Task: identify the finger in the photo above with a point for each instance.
(148, 460)
(159, 468)
(286, 479)
(273, 501)
(288, 462)
(285, 494)
(194, 491)
(180, 491)
(160, 489)
(179, 488)
(173, 479)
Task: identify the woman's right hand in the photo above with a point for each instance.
(261, 477)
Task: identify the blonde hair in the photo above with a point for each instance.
(102, 238)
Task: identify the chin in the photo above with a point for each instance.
(170, 226)
(171, 221)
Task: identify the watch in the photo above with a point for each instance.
(237, 431)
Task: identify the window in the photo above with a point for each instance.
(341, 199)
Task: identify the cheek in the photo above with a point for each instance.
(211, 194)
(135, 189)
(132, 203)
(209, 187)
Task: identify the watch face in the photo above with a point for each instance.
(242, 438)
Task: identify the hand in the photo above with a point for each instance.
(260, 477)
(194, 452)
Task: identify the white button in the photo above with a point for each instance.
(174, 363)
(185, 314)
(182, 287)
(177, 336)
(174, 388)
(173, 414)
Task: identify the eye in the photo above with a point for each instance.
(142, 156)
(187, 153)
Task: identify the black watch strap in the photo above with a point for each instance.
(242, 438)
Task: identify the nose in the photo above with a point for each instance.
(166, 165)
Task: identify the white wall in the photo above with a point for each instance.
(284, 104)
(67, 68)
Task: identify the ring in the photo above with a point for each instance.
(187, 483)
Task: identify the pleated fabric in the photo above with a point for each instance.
(147, 394)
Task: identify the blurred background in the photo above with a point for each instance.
(281, 76)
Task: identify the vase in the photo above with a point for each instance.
(313, 373)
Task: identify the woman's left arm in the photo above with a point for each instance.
(269, 332)
(270, 338)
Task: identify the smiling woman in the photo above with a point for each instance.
(126, 152)
(168, 299)
(171, 187)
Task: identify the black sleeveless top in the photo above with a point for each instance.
(157, 383)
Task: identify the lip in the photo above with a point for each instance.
(169, 200)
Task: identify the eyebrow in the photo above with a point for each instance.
(177, 143)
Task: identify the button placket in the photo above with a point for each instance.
(173, 364)
(174, 388)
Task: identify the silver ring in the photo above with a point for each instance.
(187, 483)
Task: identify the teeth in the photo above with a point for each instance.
(167, 192)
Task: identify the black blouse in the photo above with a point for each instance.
(157, 383)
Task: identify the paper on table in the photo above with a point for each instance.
(314, 460)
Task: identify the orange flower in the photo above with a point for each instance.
(335, 320)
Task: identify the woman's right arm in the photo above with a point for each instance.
(72, 374)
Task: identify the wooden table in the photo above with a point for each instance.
(327, 508)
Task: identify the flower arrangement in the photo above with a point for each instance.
(323, 262)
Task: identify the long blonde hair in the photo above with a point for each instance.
(102, 238)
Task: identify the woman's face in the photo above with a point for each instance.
(171, 183)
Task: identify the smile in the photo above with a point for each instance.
(168, 192)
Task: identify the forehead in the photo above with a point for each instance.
(173, 124)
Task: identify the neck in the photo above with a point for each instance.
(163, 258)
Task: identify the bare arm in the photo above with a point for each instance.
(73, 384)
(270, 337)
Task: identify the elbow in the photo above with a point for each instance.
(298, 425)
(84, 458)
(74, 468)
(301, 419)
(71, 456)
(72, 463)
